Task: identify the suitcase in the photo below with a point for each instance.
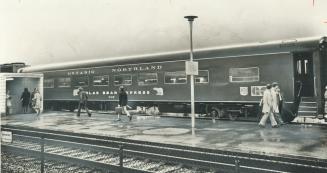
(119, 110)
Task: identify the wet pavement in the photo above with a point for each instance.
(291, 139)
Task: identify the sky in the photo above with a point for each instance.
(55, 31)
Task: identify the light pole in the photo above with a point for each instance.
(190, 20)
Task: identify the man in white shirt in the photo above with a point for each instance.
(267, 108)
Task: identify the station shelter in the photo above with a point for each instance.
(15, 83)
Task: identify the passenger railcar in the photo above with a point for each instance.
(230, 81)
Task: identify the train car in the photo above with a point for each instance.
(230, 82)
(12, 67)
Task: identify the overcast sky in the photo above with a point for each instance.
(49, 31)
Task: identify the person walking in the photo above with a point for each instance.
(8, 103)
(277, 99)
(123, 99)
(36, 100)
(267, 108)
(25, 99)
(82, 102)
(281, 99)
(32, 103)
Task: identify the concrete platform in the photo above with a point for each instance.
(292, 139)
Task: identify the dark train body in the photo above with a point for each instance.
(230, 81)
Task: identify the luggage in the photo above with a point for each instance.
(119, 110)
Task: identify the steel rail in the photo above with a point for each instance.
(41, 132)
(103, 140)
(224, 159)
(173, 153)
(61, 158)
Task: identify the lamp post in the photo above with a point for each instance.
(190, 20)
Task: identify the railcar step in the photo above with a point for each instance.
(307, 108)
(302, 106)
(308, 99)
(302, 114)
(308, 104)
(307, 111)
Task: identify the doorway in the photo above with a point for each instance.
(303, 74)
(16, 86)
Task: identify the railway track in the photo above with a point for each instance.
(21, 163)
(124, 155)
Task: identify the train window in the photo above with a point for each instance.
(64, 82)
(203, 77)
(48, 83)
(147, 79)
(124, 79)
(81, 81)
(178, 77)
(257, 90)
(250, 74)
(101, 80)
(298, 66)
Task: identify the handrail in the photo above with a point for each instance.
(297, 100)
(315, 85)
(300, 90)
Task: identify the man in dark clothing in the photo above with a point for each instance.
(25, 99)
(82, 102)
(123, 99)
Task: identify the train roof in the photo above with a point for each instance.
(293, 45)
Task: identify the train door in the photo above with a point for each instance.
(303, 74)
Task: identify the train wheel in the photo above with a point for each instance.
(232, 116)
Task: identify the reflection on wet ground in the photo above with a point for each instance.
(299, 140)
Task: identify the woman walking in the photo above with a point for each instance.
(8, 103)
(37, 101)
(25, 99)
